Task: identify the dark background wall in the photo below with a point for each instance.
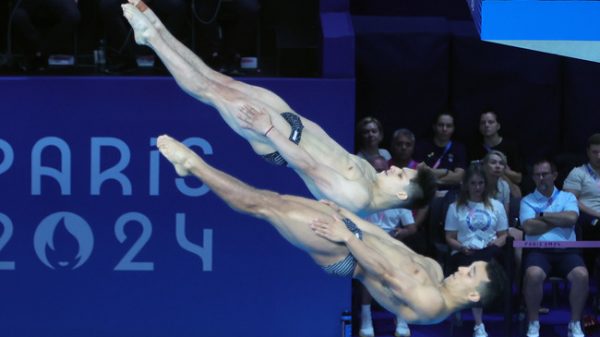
(416, 59)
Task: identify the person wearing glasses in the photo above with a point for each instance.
(549, 214)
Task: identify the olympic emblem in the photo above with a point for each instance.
(479, 220)
(76, 226)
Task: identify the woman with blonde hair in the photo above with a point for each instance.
(494, 164)
(369, 134)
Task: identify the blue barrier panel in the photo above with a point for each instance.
(99, 237)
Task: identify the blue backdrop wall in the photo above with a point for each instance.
(99, 237)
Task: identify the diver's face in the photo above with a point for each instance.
(468, 278)
(397, 180)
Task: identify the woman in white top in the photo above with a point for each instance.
(476, 227)
(369, 134)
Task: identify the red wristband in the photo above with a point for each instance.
(267, 132)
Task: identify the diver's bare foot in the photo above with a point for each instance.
(148, 13)
(142, 28)
(139, 4)
(178, 154)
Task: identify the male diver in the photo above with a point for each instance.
(328, 170)
(405, 283)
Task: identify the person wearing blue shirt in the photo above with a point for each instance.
(549, 214)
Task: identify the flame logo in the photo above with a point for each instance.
(75, 225)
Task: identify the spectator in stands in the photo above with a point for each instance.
(369, 133)
(400, 224)
(494, 164)
(476, 227)
(549, 214)
(121, 51)
(446, 157)
(44, 27)
(489, 128)
(584, 182)
(402, 149)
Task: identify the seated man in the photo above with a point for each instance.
(407, 284)
(281, 136)
(584, 182)
(549, 214)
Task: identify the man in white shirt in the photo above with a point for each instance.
(584, 182)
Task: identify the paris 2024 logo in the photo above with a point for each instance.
(43, 240)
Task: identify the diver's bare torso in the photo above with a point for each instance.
(228, 95)
(359, 176)
(425, 273)
(314, 139)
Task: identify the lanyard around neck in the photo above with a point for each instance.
(549, 202)
(591, 172)
(439, 160)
